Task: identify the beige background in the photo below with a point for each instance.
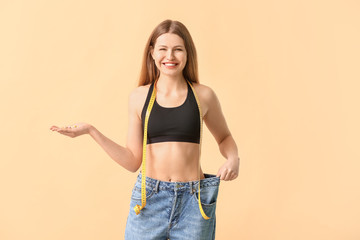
(287, 76)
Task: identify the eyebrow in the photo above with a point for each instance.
(174, 46)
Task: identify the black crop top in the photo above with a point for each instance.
(178, 124)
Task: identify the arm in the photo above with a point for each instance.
(130, 156)
(119, 154)
(216, 123)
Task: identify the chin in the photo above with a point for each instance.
(171, 72)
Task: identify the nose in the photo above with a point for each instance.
(170, 54)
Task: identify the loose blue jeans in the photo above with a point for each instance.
(172, 210)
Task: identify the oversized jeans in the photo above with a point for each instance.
(172, 210)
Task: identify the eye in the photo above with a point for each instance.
(162, 49)
(179, 49)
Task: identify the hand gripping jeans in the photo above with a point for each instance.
(172, 210)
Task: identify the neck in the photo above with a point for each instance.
(167, 84)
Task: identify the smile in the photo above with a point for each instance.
(170, 65)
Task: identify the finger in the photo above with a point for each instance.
(66, 132)
(223, 175)
(65, 129)
(218, 173)
(230, 176)
(235, 175)
(54, 128)
(227, 176)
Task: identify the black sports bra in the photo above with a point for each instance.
(178, 124)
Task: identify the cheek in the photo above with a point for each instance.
(159, 54)
(185, 56)
(185, 60)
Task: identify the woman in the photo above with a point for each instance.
(164, 137)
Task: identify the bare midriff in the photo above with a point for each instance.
(173, 161)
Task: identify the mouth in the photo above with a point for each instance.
(169, 64)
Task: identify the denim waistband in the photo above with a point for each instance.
(209, 180)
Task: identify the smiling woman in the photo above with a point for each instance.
(171, 109)
(172, 197)
(169, 56)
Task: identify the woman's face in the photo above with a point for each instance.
(169, 54)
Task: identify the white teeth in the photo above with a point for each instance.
(170, 64)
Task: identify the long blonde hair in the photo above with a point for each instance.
(149, 72)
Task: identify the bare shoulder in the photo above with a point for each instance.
(207, 96)
(205, 93)
(137, 98)
(139, 91)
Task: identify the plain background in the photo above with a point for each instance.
(287, 77)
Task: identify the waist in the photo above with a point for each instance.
(178, 176)
(208, 180)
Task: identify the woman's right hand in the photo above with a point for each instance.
(74, 130)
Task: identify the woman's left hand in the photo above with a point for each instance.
(229, 170)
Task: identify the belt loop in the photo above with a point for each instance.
(157, 186)
(191, 188)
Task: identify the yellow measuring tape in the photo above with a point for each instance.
(138, 208)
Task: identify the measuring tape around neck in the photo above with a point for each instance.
(138, 208)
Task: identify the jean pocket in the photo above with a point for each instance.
(208, 196)
(136, 193)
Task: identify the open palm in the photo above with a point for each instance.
(73, 130)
